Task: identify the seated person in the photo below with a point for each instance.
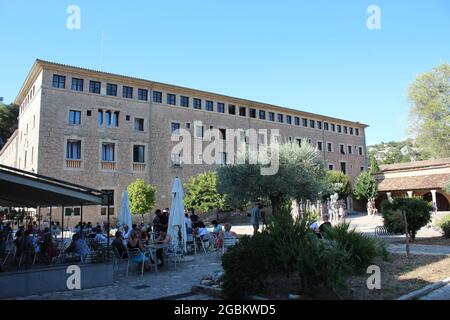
(100, 237)
(164, 237)
(217, 228)
(72, 248)
(201, 233)
(134, 243)
(144, 235)
(315, 227)
(326, 223)
(226, 234)
(119, 246)
(82, 248)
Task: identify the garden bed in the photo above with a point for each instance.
(400, 275)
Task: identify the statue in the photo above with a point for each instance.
(333, 208)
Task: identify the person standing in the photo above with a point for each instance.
(255, 215)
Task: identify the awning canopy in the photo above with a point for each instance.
(20, 188)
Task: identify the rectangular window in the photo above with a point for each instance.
(357, 131)
(304, 122)
(138, 154)
(74, 117)
(351, 130)
(73, 151)
(108, 152)
(107, 119)
(115, 119)
(100, 118)
(271, 116)
(127, 92)
(157, 96)
(231, 109)
(138, 124)
(319, 145)
(330, 167)
(350, 149)
(262, 115)
(341, 149)
(297, 121)
(223, 134)
(59, 81)
(345, 129)
(111, 89)
(171, 99)
(77, 84)
(360, 151)
(361, 168)
(175, 128)
(289, 119)
(220, 107)
(343, 167)
(184, 101)
(280, 118)
(199, 131)
(312, 124)
(252, 113)
(242, 111)
(329, 147)
(339, 128)
(325, 126)
(319, 125)
(222, 158)
(94, 86)
(143, 94)
(333, 127)
(209, 105)
(197, 103)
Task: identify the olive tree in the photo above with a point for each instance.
(300, 175)
(142, 197)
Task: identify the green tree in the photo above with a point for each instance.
(142, 197)
(201, 193)
(8, 121)
(373, 163)
(430, 111)
(416, 210)
(300, 176)
(365, 186)
(337, 181)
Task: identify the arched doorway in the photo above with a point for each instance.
(441, 201)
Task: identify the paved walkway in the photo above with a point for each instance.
(439, 294)
(168, 282)
(420, 249)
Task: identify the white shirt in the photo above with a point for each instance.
(202, 231)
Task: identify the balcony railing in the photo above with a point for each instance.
(108, 165)
(73, 163)
(138, 166)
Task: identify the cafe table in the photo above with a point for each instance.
(152, 247)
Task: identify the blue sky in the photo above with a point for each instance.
(316, 56)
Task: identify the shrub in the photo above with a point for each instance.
(417, 211)
(444, 224)
(247, 264)
(362, 250)
(299, 251)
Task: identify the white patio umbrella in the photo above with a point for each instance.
(125, 213)
(176, 216)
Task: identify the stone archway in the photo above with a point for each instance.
(442, 203)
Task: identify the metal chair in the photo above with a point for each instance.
(133, 253)
(207, 239)
(118, 259)
(10, 249)
(228, 242)
(190, 242)
(172, 253)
